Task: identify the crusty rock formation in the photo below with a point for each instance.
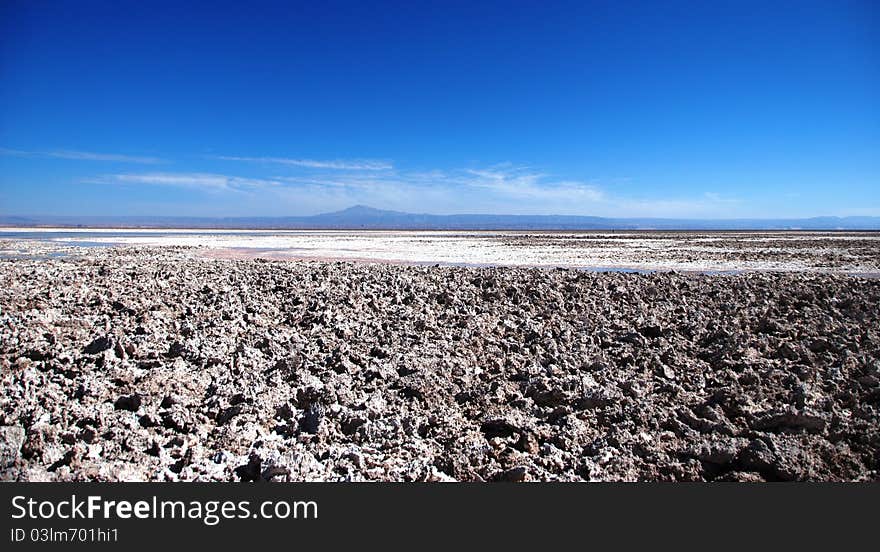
(148, 364)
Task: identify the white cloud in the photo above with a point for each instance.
(709, 205)
(202, 181)
(860, 212)
(83, 156)
(522, 183)
(351, 165)
(493, 190)
(500, 189)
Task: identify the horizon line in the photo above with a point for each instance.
(368, 208)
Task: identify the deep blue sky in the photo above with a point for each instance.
(694, 109)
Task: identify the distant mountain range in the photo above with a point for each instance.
(363, 217)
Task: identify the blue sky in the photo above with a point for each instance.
(671, 109)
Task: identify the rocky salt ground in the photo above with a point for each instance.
(139, 363)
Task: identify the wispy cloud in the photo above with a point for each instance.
(709, 204)
(348, 165)
(521, 182)
(497, 188)
(501, 188)
(860, 212)
(83, 156)
(200, 181)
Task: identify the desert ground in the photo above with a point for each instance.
(470, 357)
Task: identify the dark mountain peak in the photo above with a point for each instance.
(359, 208)
(362, 210)
(361, 214)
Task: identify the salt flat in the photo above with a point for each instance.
(844, 252)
